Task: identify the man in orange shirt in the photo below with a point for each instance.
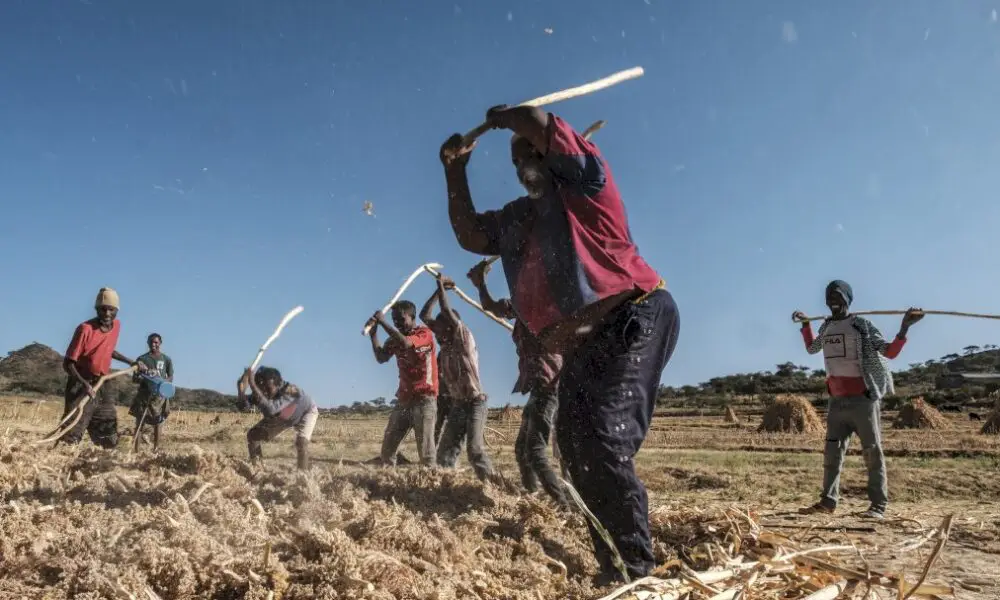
(416, 399)
(87, 359)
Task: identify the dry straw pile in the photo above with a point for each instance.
(791, 414)
(731, 415)
(919, 415)
(89, 523)
(992, 424)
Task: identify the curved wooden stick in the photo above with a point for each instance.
(399, 293)
(284, 321)
(61, 430)
(574, 92)
(472, 302)
(950, 313)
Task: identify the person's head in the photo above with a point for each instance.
(268, 379)
(531, 171)
(404, 316)
(839, 296)
(106, 306)
(154, 341)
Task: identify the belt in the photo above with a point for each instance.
(659, 286)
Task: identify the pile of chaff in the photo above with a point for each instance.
(744, 560)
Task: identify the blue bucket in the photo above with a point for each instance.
(160, 387)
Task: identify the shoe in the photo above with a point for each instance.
(873, 513)
(818, 508)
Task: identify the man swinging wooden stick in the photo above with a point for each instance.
(87, 359)
(608, 312)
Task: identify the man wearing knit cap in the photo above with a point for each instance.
(87, 359)
(857, 378)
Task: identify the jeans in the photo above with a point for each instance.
(531, 447)
(419, 416)
(860, 415)
(607, 395)
(466, 421)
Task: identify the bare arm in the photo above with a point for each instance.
(529, 122)
(446, 313)
(469, 225)
(70, 367)
(121, 358)
(382, 354)
(500, 308)
(428, 308)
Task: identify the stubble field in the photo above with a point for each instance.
(197, 521)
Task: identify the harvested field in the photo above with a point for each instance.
(87, 523)
(919, 415)
(791, 414)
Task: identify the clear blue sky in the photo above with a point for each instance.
(209, 160)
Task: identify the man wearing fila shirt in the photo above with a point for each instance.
(857, 377)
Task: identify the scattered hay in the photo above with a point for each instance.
(919, 415)
(791, 414)
(731, 415)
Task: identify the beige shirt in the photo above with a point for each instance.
(459, 365)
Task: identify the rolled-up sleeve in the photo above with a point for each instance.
(574, 161)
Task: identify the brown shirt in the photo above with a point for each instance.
(538, 368)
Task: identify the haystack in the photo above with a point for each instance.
(919, 415)
(791, 414)
(731, 415)
(992, 424)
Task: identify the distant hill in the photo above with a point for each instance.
(36, 368)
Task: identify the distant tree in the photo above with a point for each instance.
(930, 362)
(949, 357)
(970, 350)
(379, 403)
(786, 369)
(819, 373)
(916, 365)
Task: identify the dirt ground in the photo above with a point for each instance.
(197, 521)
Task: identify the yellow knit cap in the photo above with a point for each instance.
(106, 297)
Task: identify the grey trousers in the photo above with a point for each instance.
(531, 447)
(419, 416)
(860, 415)
(466, 422)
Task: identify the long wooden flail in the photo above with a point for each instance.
(473, 303)
(399, 293)
(574, 92)
(77, 412)
(284, 321)
(950, 313)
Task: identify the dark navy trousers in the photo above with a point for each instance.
(607, 394)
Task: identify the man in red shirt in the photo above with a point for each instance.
(577, 282)
(416, 399)
(87, 359)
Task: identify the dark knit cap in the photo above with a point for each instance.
(842, 288)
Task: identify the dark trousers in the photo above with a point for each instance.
(531, 447)
(607, 395)
(99, 419)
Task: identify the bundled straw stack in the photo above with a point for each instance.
(992, 424)
(791, 414)
(919, 415)
(731, 415)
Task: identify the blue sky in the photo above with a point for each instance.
(210, 161)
